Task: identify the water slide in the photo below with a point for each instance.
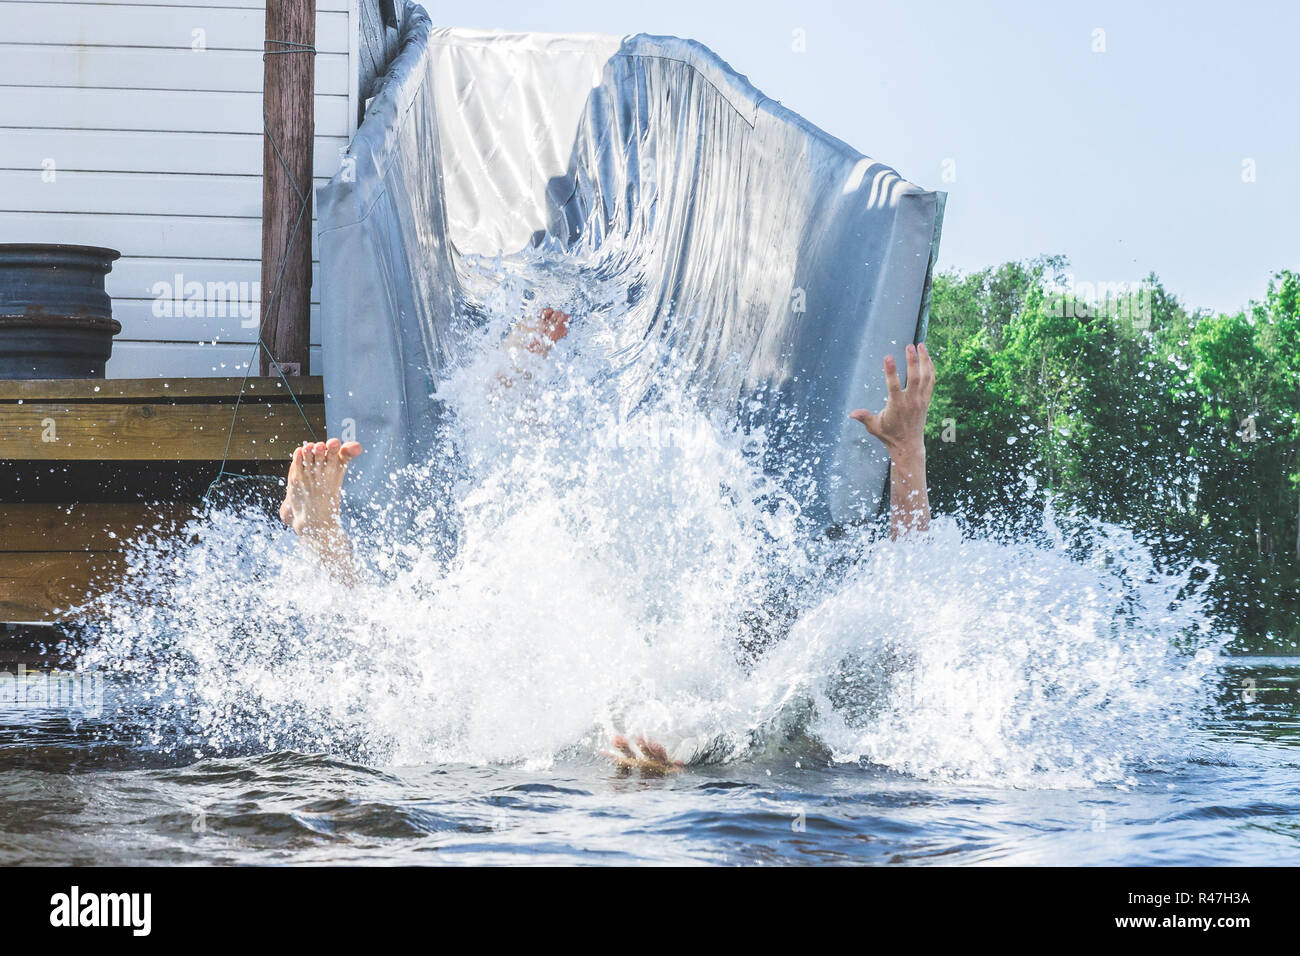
(779, 263)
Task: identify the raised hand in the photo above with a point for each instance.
(900, 425)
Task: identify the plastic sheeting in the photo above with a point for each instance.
(783, 263)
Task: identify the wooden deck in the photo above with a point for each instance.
(88, 465)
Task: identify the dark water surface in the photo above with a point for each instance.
(84, 794)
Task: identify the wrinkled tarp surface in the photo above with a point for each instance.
(785, 262)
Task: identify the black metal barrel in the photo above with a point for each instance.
(56, 320)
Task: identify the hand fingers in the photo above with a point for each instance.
(655, 751)
(555, 324)
(656, 760)
(891, 375)
(927, 365)
(621, 762)
(624, 757)
(913, 366)
(650, 757)
(867, 417)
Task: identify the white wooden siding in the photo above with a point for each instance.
(156, 150)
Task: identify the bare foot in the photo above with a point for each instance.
(649, 757)
(315, 486)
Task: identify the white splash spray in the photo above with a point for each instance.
(576, 562)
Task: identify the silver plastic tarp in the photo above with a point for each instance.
(785, 263)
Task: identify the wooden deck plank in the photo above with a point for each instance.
(112, 431)
(57, 552)
(308, 389)
(94, 526)
(39, 586)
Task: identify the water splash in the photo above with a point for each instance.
(581, 555)
(1011, 662)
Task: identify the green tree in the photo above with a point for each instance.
(1182, 426)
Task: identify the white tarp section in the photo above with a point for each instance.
(782, 263)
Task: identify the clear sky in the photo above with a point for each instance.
(1128, 161)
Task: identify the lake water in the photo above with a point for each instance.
(591, 549)
(94, 796)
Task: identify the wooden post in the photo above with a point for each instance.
(288, 101)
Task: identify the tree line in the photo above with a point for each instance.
(1125, 406)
